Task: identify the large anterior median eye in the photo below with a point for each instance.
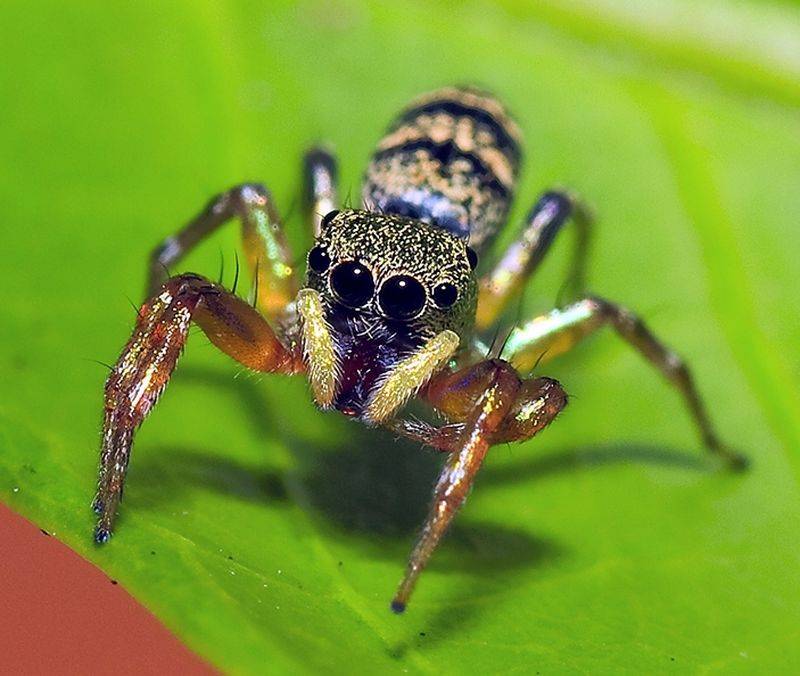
(402, 297)
(352, 283)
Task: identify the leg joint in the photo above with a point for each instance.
(240, 198)
(625, 321)
(675, 368)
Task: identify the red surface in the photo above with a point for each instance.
(59, 614)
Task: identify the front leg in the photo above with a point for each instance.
(538, 402)
(147, 361)
(492, 405)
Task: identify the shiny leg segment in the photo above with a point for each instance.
(491, 404)
(266, 249)
(144, 368)
(538, 402)
(557, 332)
(522, 258)
(321, 191)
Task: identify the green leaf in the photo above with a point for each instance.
(270, 536)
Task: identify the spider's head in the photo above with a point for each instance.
(399, 273)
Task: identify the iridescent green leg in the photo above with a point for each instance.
(321, 177)
(522, 258)
(557, 332)
(263, 239)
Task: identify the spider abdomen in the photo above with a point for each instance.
(450, 159)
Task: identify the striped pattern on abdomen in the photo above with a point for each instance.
(451, 159)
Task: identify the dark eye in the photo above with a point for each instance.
(327, 218)
(402, 297)
(445, 295)
(318, 259)
(472, 257)
(352, 283)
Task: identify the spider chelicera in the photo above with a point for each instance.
(390, 307)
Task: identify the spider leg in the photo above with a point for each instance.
(548, 216)
(144, 368)
(321, 189)
(538, 402)
(557, 332)
(493, 405)
(266, 249)
(444, 438)
(453, 394)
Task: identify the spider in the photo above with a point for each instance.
(390, 307)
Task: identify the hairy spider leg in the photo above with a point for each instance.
(266, 249)
(492, 404)
(144, 368)
(549, 335)
(321, 186)
(521, 259)
(537, 404)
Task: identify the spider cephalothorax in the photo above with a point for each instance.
(387, 285)
(390, 308)
(394, 270)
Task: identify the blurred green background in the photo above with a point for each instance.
(269, 536)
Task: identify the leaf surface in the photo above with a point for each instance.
(270, 536)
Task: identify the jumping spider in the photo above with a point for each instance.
(390, 307)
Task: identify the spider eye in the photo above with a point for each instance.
(327, 218)
(352, 283)
(318, 259)
(402, 297)
(472, 257)
(445, 295)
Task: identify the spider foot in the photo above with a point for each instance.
(101, 535)
(729, 459)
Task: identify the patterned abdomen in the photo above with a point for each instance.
(451, 158)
